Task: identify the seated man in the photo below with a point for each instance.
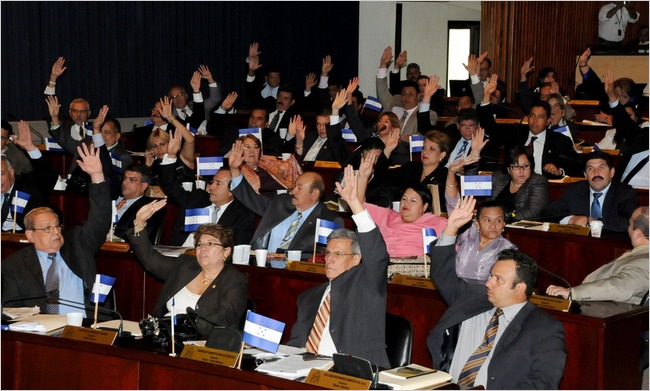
(59, 264)
(261, 92)
(38, 184)
(491, 336)
(599, 197)
(289, 220)
(18, 159)
(189, 112)
(355, 295)
(625, 279)
(141, 135)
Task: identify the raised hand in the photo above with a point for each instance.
(555, 88)
(401, 60)
(195, 82)
(174, 144)
(53, 106)
(148, 210)
(583, 61)
(254, 64)
(608, 79)
(391, 141)
(386, 57)
(367, 166)
(166, 109)
(24, 137)
(480, 60)
(478, 142)
(463, 212)
(297, 129)
(471, 65)
(229, 101)
(57, 69)
(526, 68)
(206, 74)
(253, 50)
(99, 121)
(431, 88)
(236, 158)
(339, 101)
(490, 86)
(90, 162)
(352, 85)
(348, 191)
(310, 81)
(327, 66)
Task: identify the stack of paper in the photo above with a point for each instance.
(22, 312)
(413, 377)
(39, 323)
(295, 366)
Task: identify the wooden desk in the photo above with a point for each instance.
(32, 361)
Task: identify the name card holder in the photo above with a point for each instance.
(210, 355)
(569, 229)
(317, 268)
(551, 303)
(336, 381)
(87, 334)
(418, 282)
(326, 164)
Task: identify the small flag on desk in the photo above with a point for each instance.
(349, 136)
(262, 332)
(597, 148)
(416, 142)
(476, 185)
(257, 132)
(196, 217)
(565, 131)
(191, 129)
(116, 217)
(428, 236)
(19, 202)
(323, 229)
(208, 165)
(101, 288)
(373, 104)
(117, 161)
(51, 145)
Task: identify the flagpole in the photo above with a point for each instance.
(14, 229)
(241, 354)
(313, 259)
(173, 353)
(96, 288)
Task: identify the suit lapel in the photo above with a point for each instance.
(514, 328)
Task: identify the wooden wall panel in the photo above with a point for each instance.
(552, 32)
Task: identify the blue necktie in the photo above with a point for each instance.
(461, 152)
(596, 210)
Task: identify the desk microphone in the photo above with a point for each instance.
(555, 275)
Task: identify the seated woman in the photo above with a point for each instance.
(522, 193)
(254, 166)
(387, 129)
(559, 111)
(206, 282)
(402, 231)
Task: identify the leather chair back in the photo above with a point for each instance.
(399, 340)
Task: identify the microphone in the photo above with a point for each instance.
(6, 318)
(12, 117)
(376, 134)
(555, 275)
(574, 305)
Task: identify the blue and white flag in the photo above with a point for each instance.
(373, 104)
(51, 145)
(257, 132)
(323, 229)
(115, 218)
(565, 131)
(208, 165)
(262, 332)
(428, 236)
(19, 202)
(101, 288)
(196, 217)
(88, 131)
(191, 128)
(117, 161)
(476, 185)
(349, 136)
(416, 143)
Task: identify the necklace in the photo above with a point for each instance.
(206, 280)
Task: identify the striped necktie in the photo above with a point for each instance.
(322, 317)
(475, 361)
(461, 151)
(52, 282)
(291, 232)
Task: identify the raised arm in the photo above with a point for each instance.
(57, 70)
(187, 151)
(366, 168)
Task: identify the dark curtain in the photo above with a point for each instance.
(128, 54)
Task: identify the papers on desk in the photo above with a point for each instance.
(21, 312)
(171, 251)
(39, 323)
(527, 224)
(593, 123)
(295, 366)
(128, 325)
(413, 377)
(283, 351)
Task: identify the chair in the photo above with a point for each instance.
(224, 338)
(250, 306)
(399, 340)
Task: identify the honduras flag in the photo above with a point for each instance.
(51, 145)
(349, 136)
(19, 202)
(196, 217)
(323, 229)
(428, 236)
(373, 104)
(115, 218)
(257, 132)
(191, 128)
(416, 142)
(476, 185)
(117, 161)
(565, 131)
(102, 286)
(262, 332)
(208, 165)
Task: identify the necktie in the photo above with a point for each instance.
(461, 151)
(476, 360)
(315, 148)
(215, 213)
(82, 132)
(596, 211)
(322, 317)
(52, 282)
(5, 207)
(121, 204)
(291, 232)
(184, 114)
(402, 120)
(275, 121)
(531, 145)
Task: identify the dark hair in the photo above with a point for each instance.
(490, 204)
(442, 141)
(143, 169)
(318, 184)
(626, 85)
(641, 221)
(224, 234)
(326, 112)
(469, 113)
(7, 126)
(488, 61)
(359, 95)
(285, 88)
(422, 77)
(544, 105)
(412, 65)
(600, 155)
(409, 83)
(115, 122)
(372, 143)
(502, 89)
(541, 75)
(513, 157)
(424, 193)
(266, 112)
(470, 96)
(525, 268)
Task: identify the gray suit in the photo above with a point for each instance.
(531, 199)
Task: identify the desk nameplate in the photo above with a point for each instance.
(209, 355)
(551, 303)
(318, 268)
(103, 337)
(569, 229)
(336, 381)
(418, 282)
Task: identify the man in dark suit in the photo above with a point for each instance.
(598, 198)
(140, 135)
(261, 92)
(226, 210)
(27, 276)
(193, 114)
(289, 220)
(111, 132)
(38, 183)
(355, 265)
(526, 351)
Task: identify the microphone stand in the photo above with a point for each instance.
(82, 306)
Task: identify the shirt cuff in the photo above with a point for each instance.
(485, 104)
(250, 79)
(220, 111)
(234, 182)
(334, 119)
(445, 240)
(395, 70)
(52, 127)
(613, 104)
(167, 160)
(382, 73)
(198, 98)
(424, 107)
(50, 90)
(363, 221)
(98, 140)
(324, 82)
(213, 84)
(307, 93)
(35, 154)
(474, 79)
(565, 220)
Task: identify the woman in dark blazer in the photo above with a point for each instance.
(521, 192)
(206, 281)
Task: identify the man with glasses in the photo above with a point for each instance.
(59, 264)
(355, 296)
(468, 126)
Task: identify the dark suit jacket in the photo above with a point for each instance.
(126, 221)
(335, 148)
(38, 183)
(125, 156)
(274, 211)
(197, 117)
(531, 199)
(22, 277)
(237, 217)
(18, 158)
(529, 355)
(271, 141)
(223, 303)
(140, 136)
(358, 305)
(619, 203)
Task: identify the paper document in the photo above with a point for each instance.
(413, 377)
(44, 323)
(22, 312)
(171, 251)
(283, 351)
(294, 366)
(128, 325)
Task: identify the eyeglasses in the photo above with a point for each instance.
(335, 254)
(177, 95)
(468, 126)
(518, 168)
(251, 146)
(207, 244)
(47, 230)
(75, 111)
